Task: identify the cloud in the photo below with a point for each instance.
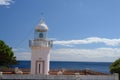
(23, 55)
(90, 40)
(71, 54)
(6, 2)
(14, 49)
(96, 55)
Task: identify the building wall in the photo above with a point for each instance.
(40, 54)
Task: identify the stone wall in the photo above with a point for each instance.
(60, 77)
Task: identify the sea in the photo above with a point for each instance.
(68, 65)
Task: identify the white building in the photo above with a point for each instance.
(40, 48)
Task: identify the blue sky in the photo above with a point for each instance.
(83, 30)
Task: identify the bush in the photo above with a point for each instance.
(115, 66)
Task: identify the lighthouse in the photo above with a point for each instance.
(40, 50)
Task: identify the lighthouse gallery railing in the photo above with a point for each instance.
(44, 43)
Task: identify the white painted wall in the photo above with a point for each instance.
(40, 53)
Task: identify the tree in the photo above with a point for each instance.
(115, 66)
(7, 57)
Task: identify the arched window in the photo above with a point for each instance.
(41, 35)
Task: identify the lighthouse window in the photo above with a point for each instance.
(41, 35)
(39, 68)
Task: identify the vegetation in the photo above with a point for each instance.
(6, 55)
(115, 66)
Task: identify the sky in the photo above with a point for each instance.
(82, 30)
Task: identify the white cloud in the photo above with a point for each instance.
(97, 55)
(6, 2)
(70, 54)
(23, 55)
(90, 40)
(14, 49)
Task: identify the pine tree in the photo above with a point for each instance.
(7, 57)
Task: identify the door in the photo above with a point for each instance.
(39, 67)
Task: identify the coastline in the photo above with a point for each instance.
(58, 65)
(55, 72)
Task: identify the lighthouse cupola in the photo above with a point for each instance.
(41, 30)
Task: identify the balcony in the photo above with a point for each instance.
(43, 43)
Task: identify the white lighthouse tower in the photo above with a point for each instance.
(40, 47)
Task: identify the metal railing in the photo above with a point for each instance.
(44, 43)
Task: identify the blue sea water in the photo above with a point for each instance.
(97, 66)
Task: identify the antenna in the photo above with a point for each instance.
(41, 17)
(42, 13)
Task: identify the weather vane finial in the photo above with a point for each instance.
(42, 13)
(42, 18)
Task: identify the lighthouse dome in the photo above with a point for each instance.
(41, 27)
